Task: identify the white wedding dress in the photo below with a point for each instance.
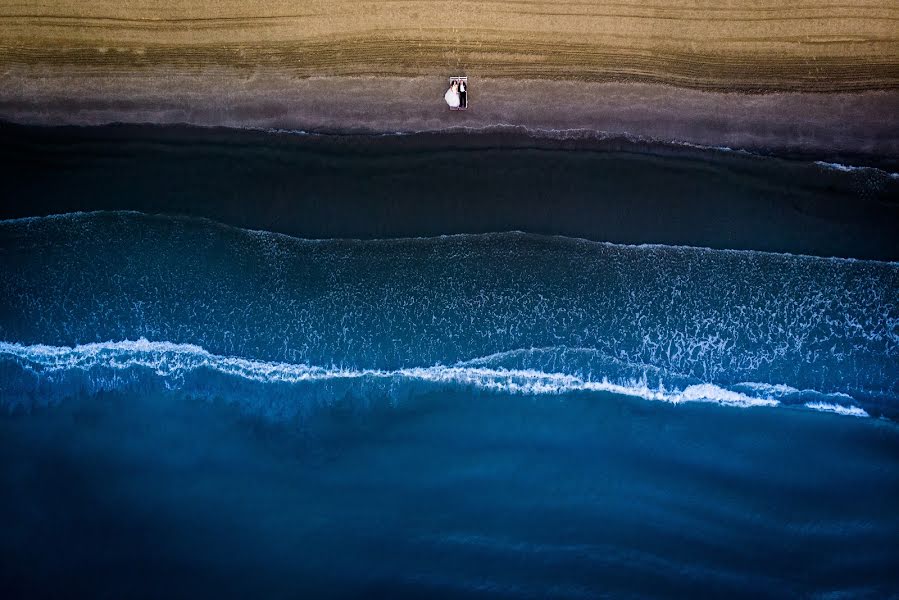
(452, 98)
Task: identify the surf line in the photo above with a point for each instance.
(174, 362)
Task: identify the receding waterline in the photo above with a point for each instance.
(403, 239)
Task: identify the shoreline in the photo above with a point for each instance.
(399, 186)
(785, 123)
(498, 137)
(819, 79)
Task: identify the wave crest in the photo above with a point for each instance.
(51, 373)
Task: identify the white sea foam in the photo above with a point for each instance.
(851, 411)
(173, 362)
(854, 169)
(774, 390)
(836, 166)
(707, 391)
(781, 391)
(261, 233)
(74, 215)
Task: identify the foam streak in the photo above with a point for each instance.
(172, 362)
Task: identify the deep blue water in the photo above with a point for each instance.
(195, 409)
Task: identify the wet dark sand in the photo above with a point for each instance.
(429, 184)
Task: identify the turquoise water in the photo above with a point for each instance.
(197, 409)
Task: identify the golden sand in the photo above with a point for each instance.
(829, 45)
(240, 62)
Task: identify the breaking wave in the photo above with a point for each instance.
(87, 302)
(852, 411)
(36, 375)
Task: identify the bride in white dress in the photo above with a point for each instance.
(452, 96)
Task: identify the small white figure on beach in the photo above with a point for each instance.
(452, 96)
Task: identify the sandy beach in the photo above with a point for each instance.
(277, 323)
(816, 78)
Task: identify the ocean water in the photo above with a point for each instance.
(194, 408)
